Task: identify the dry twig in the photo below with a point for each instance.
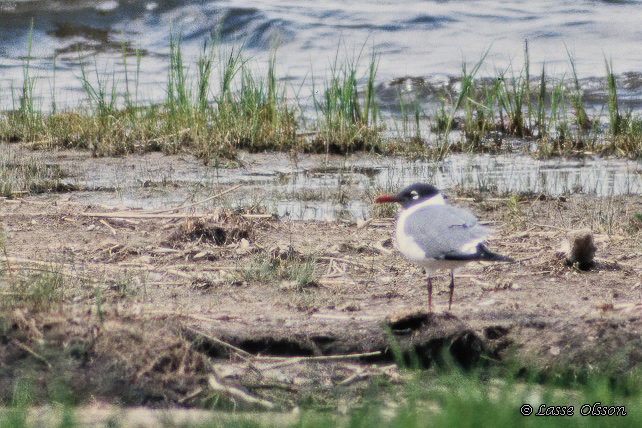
(33, 353)
(236, 393)
(218, 195)
(243, 354)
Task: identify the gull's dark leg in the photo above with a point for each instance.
(452, 288)
(429, 294)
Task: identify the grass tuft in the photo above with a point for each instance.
(40, 291)
(21, 174)
(347, 122)
(276, 265)
(252, 111)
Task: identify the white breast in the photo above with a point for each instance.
(407, 245)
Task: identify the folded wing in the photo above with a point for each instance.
(447, 232)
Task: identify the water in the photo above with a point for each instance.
(421, 44)
(319, 187)
(426, 40)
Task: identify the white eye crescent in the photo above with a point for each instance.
(414, 194)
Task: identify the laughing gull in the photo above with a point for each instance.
(434, 235)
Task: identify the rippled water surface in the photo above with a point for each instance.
(427, 39)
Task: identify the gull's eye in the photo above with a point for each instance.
(414, 194)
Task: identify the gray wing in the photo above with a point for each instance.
(444, 231)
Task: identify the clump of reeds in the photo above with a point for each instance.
(625, 129)
(581, 118)
(256, 116)
(548, 114)
(467, 98)
(346, 120)
(410, 120)
(250, 111)
(21, 174)
(274, 266)
(615, 118)
(24, 121)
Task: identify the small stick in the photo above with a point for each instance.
(322, 357)
(46, 267)
(218, 195)
(161, 213)
(142, 214)
(50, 270)
(32, 352)
(528, 258)
(6, 256)
(179, 273)
(351, 262)
(113, 231)
(551, 227)
(241, 352)
(354, 378)
(154, 312)
(237, 393)
(191, 395)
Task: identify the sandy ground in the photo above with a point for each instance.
(200, 309)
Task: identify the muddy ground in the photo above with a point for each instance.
(205, 308)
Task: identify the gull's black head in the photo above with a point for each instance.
(411, 195)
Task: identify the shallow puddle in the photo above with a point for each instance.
(317, 187)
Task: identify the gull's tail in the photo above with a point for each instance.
(482, 254)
